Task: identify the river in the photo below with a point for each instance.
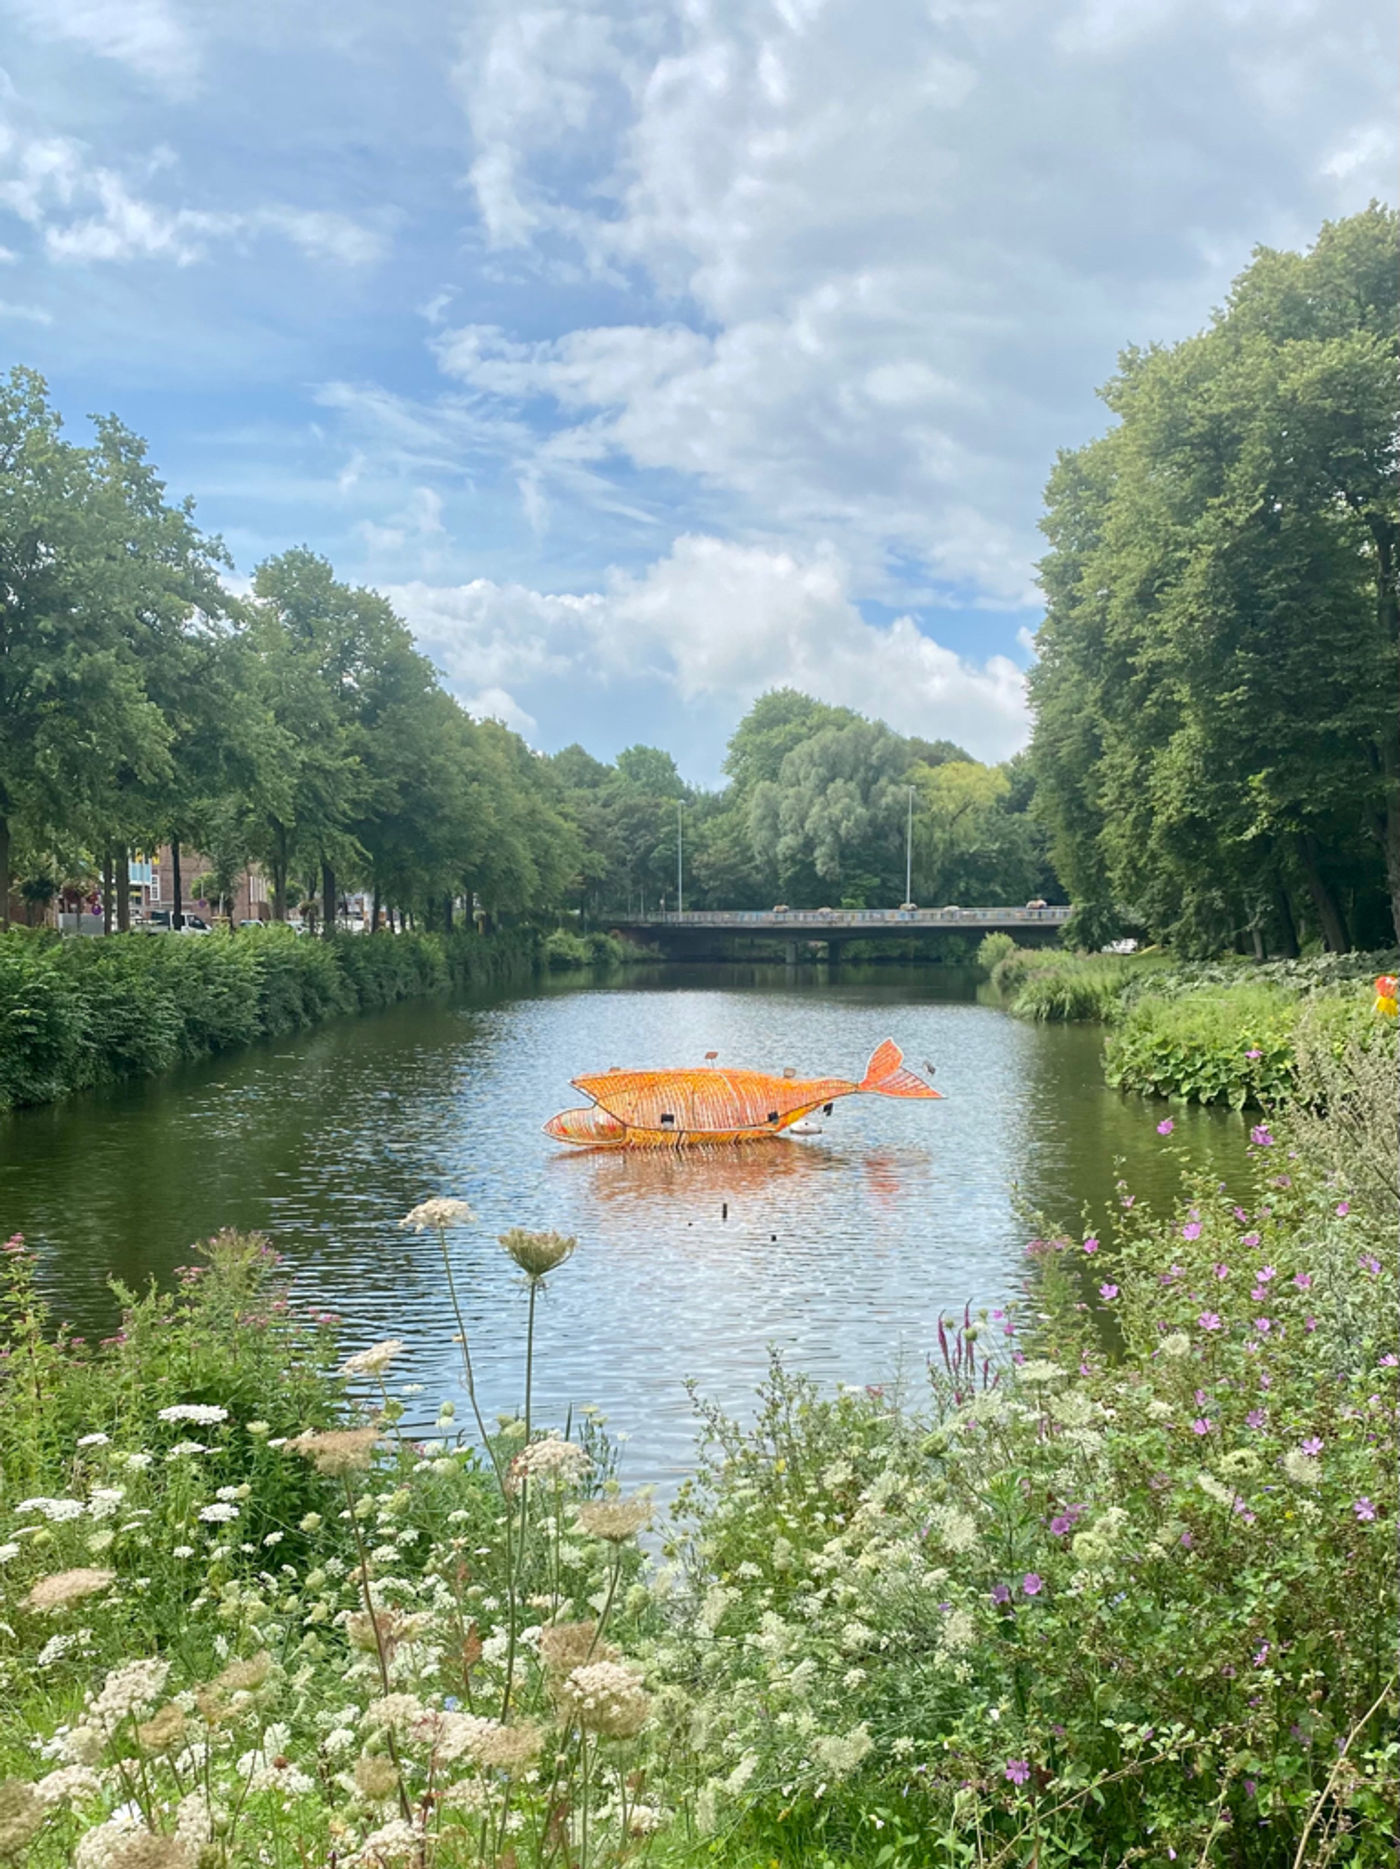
(841, 1248)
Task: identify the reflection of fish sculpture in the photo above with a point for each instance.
(668, 1109)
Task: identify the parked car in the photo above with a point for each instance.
(162, 921)
(1037, 902)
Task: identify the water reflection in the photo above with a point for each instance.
(842, 1247)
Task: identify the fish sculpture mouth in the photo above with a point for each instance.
(590, 1128)
(686, 1108)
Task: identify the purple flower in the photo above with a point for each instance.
(1389, 1360)
(1000, 1593)
(1166, 1126)
(1209, 1320)
(1266, 1381)
(1312, 1447)
(1256, 1418)
(1192, 1230)
(1091, 1245)
(1303, 1739)
(1369, 1263)
(1263, 1325)
(1250, 1239)
(1201, 1425)
(1032, 1584)
(1309, 1323)
(1241, 1215)
(1018, 1771)
(1363, 1508)
(1129, 1199)
(1260, 1137)
(1186, 1540)
(1265, 1273)
(1221, 1271)
(1250, 1787)
(1108, 1291)
(1260, 1291)
(1303, 1280)
(1254, 1054)
(1343, 1209)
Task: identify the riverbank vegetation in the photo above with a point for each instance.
(77, 1014)
(1055, 1601)
(1205, 1032)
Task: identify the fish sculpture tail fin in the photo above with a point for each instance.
(886, 1076)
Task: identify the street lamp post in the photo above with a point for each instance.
(680, 883)
(909, 851)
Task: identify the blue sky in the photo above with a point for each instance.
(652, 354)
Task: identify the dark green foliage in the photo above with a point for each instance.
(75, 1014)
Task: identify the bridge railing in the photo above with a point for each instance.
(846, 918)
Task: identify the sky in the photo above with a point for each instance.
(649, 355)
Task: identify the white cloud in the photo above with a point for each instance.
(88, 211)
(715, 623)
(28, 314)
(148, 36)
(883, 256)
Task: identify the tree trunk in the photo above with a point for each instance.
(327, 900)
(374, 911)
(5, 873)
(1329, 913)
(1288, 928)
(109, 890)
(123, 890)
(447, 912)
(279, 873)
(177, 918)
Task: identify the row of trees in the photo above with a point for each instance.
(1217, 740)
(141, 703)
(817, 811)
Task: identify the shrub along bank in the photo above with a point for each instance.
(1057, 1606)
(78, 1013)
(1216, 1032)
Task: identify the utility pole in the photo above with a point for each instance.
(680, 882)
(909, 851)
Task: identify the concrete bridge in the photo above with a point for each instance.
(692, 933)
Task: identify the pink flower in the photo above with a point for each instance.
(1254, 1053)
(1343, 1209)
(1032, 1584)
(1192, 1230)
(1256, 1418)
(1001, 1593)
(1166, 1126)
(1263, 1325)
(1201, 1425)
(1364, 1509)
(1303, 1280)
(1312, 1447)
(1369, 1263)
(1260, 1136)
(1251, 1240)
(1091, 1245)
(1221, 1271)
(1108, 1291)
(1264, 1274)
(1018, 1771)
(1241, 1215)
(1209, 1320)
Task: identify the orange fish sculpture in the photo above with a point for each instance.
(671, 1109)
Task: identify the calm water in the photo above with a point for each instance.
(842, 1248)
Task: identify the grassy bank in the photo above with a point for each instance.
(566, 950)
(1203, 1032)
(1047, 1606)
(79, 1013)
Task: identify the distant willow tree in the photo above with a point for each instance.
(1217, 738)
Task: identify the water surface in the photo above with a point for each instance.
(842, 1248)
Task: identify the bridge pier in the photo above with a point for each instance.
(833, 952)
(790, 954)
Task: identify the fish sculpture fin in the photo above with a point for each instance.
(886, 1076)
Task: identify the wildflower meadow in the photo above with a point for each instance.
(1113, 1583)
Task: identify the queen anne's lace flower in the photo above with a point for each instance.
(128, 1689)
(439, 1214)
(67, 1586)
(374, 1360)
(203, 1414)
(606, 1697)
(559, 1461)
(616, 1520)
